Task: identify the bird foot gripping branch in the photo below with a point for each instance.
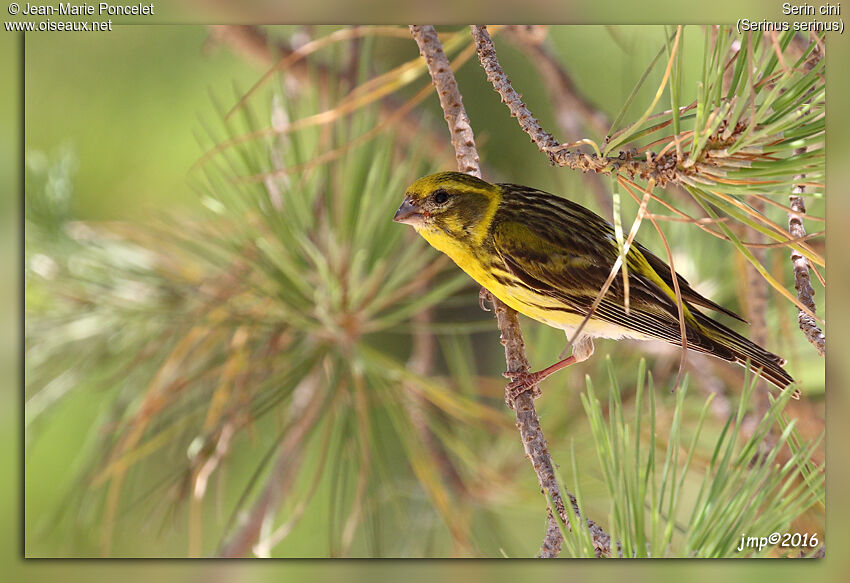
(525, 381)
(484, 297)
(522, 382)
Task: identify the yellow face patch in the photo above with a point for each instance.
(452, 204)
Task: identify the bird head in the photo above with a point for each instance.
(450, 204)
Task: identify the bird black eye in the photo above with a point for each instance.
(441, 196)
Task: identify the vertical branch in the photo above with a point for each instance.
(805, 292)
(551, 547)
(536, 448)
(463, 139)
(527, 421)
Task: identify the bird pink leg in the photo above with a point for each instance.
(522, 382)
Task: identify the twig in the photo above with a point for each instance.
(527, 421)
(451, 101)
(463, 140)
(551, 547)
(536, 448)
(545, 141)
(529, 124)
(556, 152)
(805, 292)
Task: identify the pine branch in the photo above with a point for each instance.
(802, 282)
(724, 143)
(661, 169)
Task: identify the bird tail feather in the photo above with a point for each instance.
(731, 346)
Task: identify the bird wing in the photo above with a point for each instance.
(547, 262)
(586, 227)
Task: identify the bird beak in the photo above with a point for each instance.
(408, 213)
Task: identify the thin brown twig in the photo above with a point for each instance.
(546, 142)
(502, 85)
(527, 421)
(455, 115)
(551, 547)
(805, 292)
(536, 447)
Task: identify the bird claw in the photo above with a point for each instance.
(521, 382)
(484, 296)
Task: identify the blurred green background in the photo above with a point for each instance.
(126, 106)
(124, 109)
(129, 105)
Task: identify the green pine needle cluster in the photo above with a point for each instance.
(664, 505)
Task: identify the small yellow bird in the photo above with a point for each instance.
(547, 257)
